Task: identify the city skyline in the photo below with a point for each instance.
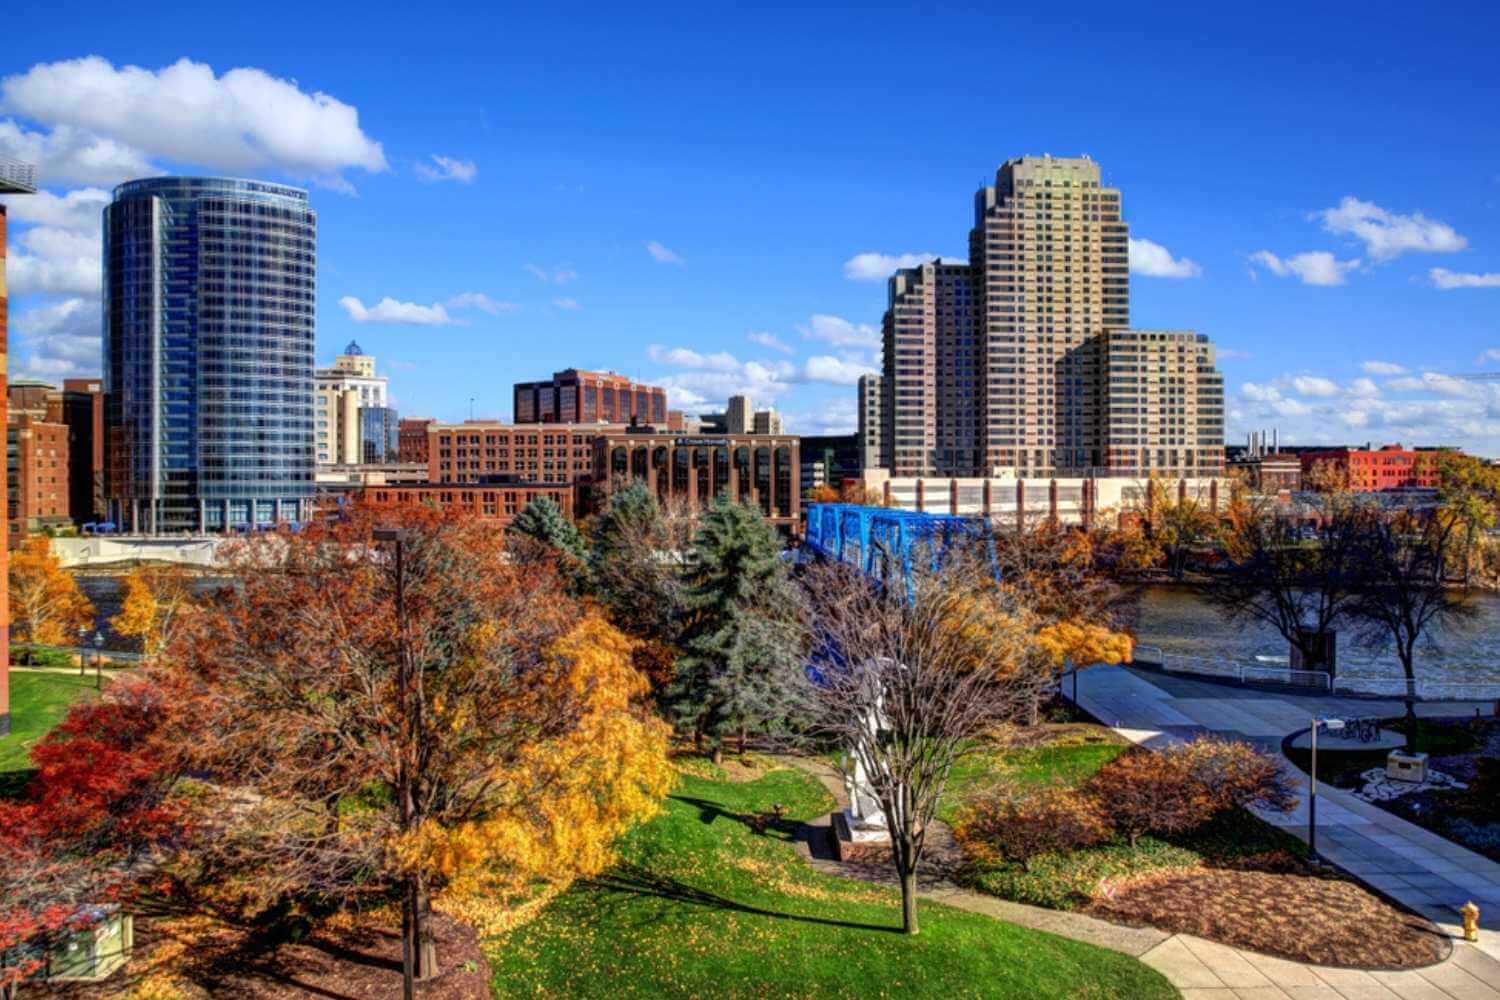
(662, 223)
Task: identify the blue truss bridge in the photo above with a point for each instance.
(886, 544)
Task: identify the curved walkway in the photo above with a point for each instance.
(1200, 969)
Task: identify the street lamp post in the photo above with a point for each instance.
(409, 902)
(98, 661)
(83, 650)
(1334, 725)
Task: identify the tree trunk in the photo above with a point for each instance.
(426, 953)
(1411, 725)
(718, 754)
(909, 902)
(742, 741)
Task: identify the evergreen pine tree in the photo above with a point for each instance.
(544, 521)
(741, 643)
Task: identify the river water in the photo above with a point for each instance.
(1178, 621)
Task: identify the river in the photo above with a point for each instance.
(1179, 621)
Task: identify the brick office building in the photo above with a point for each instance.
(584, 397)
(80, 406)
(498, 502)
(36, 476)
(15, 178)
(1371, 470)
(411, 439)
(761, 470)
(534, 453)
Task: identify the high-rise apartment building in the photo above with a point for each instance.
(739, 415)
(1163, 404)
(208, 343)
(1000, 366)
(575, 396)
(343, 392)
(15, 178)
(766, 422)
(868, 435)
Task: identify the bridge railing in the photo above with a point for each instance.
(886, 543)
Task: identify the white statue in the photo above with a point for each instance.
(864, 816)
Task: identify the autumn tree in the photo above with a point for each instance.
(907, 680)
(46, 606)
(1404, 595)
(1177, 522)
(1468, 496)
(156, 597)
(823, 493)
(387, 707)
(741, 645)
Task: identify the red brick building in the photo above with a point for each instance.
(583, 397)
(411, 437)
(498, 502)
(36, 475)
(1373, 470)
(535, 453)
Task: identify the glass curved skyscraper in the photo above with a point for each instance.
(209, 301)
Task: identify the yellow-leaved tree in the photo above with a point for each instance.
(155, 598)
(46, 605)
(567, 799)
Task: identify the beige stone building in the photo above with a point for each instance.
(999, 366)
(1163, 404)
(870, 402)
(350, 386)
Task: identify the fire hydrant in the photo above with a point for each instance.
(1471, 921)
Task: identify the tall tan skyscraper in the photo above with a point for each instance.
(999, 366)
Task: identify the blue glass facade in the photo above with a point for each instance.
(379, 435)
(210, 288)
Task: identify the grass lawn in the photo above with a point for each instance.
(38, 701)
(702, 906)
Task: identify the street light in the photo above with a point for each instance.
(83, 649)
(98, 661)
(1333, 725)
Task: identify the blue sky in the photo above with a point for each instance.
(683, 194)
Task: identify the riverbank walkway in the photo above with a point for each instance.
(1431, 875)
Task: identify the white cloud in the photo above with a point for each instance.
(1386, 234)
(661, 254)
(879, 266)
(1315, 385)
(836, 371)
(445, 168)
(1153, 260)
(1260, 393)
(840, 332)
(1445, 385)
(1493, 354)
(838, 416)
(683, 357)
(571, 305)
(1381, 368)
(560, 275)
(67, 155)
(61, 340)
(81, 209)
(482, 302)
(769, 340)
(1317, 267)
(60, 261)
(1448, 280)
(244, 120)
(388, 310)
(1364, 387)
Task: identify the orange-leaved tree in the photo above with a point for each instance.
(46, 605)
(387, 706)
(156, 597)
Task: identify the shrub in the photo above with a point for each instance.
(1236, 774)
(1484, 793)
(1066, 881)
(1143, 792)
(1020, 824)
(49, 656)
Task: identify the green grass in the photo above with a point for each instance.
(702, 906)
(38, 701)
(1065, 881)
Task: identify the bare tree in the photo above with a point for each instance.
(1405, 595)
(1303, 588)
(908, 679)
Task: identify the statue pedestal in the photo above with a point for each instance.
(854, 841)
